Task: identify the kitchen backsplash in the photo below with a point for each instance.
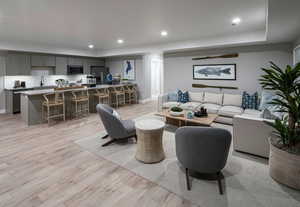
(34, 81)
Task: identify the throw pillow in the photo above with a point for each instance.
(266, 97)
(173, 96)
(268, 115)
(183, 97)
(250, 101)
(232, 100)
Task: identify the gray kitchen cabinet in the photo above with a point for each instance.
(18, 64)
(42, 61)
(89, 62)
(61, 65)
(97, 62)
(9, 102)
(75, 61)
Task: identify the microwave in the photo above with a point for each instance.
(75, 69)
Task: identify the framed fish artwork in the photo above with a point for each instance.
(129, 69)
(214, 72)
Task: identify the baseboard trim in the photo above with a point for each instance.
(2, 111)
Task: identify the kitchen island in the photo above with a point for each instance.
(31, 102)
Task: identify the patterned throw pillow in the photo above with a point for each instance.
(250, 101)
(183, 97)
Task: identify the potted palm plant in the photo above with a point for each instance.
(284, 158)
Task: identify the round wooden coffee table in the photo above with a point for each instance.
(149, 144)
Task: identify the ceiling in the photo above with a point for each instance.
(69, 26)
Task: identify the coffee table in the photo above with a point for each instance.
(184, 121)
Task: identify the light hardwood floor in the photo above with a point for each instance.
(42, 166)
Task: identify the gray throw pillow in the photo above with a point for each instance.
(268, 115)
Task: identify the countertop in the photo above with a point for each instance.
(29, 88)
(46, 91)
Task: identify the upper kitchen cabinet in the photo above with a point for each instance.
(61, 65)
(96, 62)
(18, 64)
(75, 61)
(42, 61)
(89, 62)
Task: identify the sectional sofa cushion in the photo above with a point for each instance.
(230, 111)
(211, 108)
(190, 106)
(183, 97)
(250, 101)
(170, 104)
(252, 113)
(173, 96)
(213, 98)
(232, 100)
(196, 96)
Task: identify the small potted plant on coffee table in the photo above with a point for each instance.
(176, 111)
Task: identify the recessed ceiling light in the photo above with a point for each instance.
(120, 41)
(236, 21)
(164, 33)
(91, 46)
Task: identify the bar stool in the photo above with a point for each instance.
(80, 100)
(117, 95)
(102, 95)
(127, 92)
(133, 94)
(56, 102)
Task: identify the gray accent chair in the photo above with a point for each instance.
(116, 128)
(203, 150)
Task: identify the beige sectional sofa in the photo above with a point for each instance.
(225, 105)
(250, 132)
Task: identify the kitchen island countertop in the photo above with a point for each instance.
(47, 91)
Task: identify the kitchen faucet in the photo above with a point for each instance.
(42, 81)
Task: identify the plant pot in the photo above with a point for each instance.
(284, 167)
(175, 113)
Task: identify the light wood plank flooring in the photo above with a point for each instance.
(42, 166)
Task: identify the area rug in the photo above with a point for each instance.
(247, 181)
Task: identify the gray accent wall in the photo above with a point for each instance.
(115, 65)
(178, 67)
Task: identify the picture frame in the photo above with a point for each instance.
(129, 69)
(214, 72)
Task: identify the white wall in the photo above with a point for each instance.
(115, 65)
(178, 68)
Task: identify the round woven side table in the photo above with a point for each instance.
(149, 144)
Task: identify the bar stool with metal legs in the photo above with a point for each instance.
(53, 106)
(117, 95)
(80, 101)
(102, 95)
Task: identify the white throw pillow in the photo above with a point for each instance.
(232, 100)
(196, 96)
(215, 98)
(116, 114)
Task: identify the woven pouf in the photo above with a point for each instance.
(149, 144)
